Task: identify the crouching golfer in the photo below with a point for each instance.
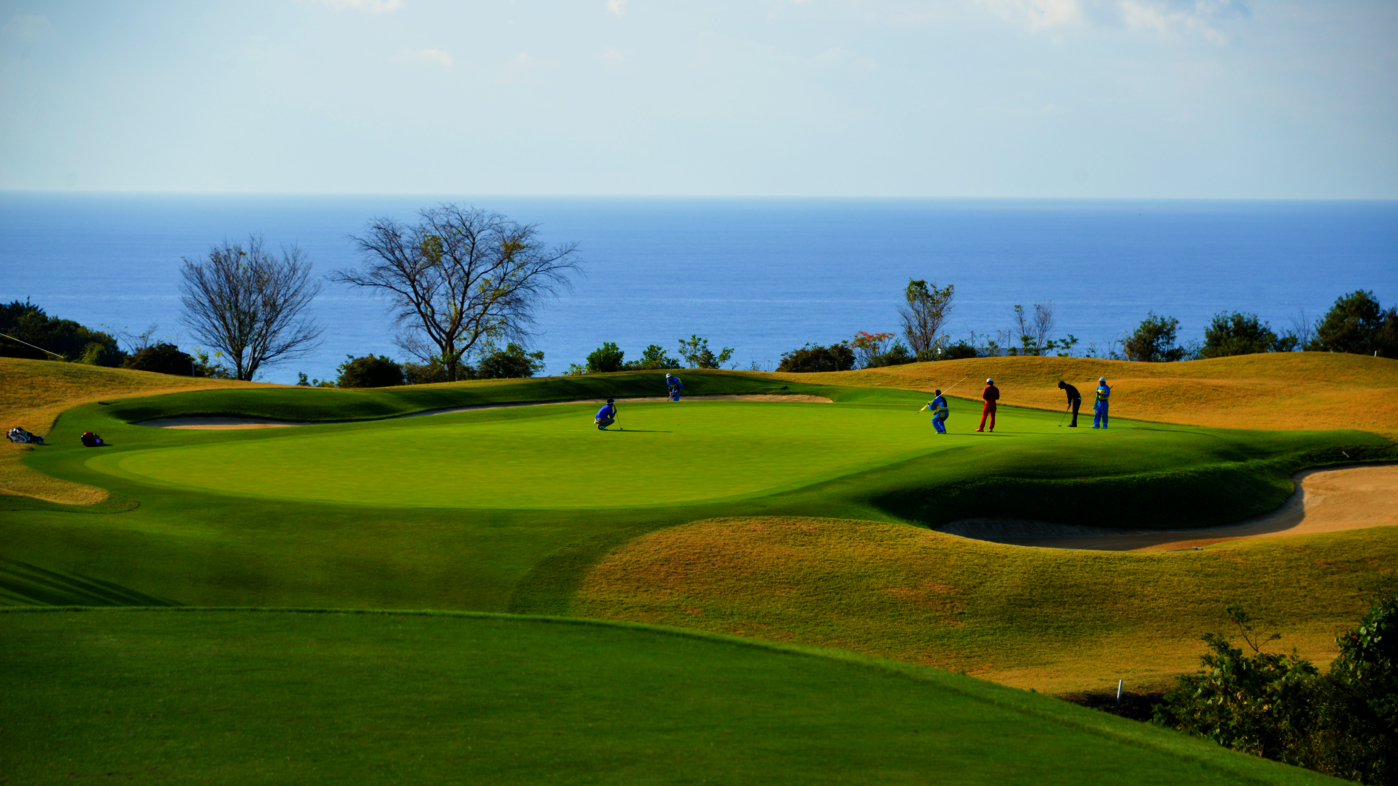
(991, 394)
(675, 385)
(940, 411)
(1074, 401)
(1099, 412)
(606, 416)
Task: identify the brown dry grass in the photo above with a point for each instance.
(1292, 390)
(1054, 620)
(33, 393)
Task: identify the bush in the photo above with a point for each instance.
(1358, 325)
(162, 358)
(960, 351)
(28, 323)
(695, 351)
(512, 362)
(897, 354)
(434, 371)
(605, 359)
(1242, 334)
(1344, 723)
(653, 357)
(1154, 341)
(836, 357)
(370, 371)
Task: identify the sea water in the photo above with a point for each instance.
(763, 276)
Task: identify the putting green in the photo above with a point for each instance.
(553, 457)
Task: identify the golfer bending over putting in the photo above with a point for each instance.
(606, 416)
(940, 411)
(675, 385)
(1099, 412)
(1074, 401)
(991, 394)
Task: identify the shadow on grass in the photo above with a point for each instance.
(31, 585)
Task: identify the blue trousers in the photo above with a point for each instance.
(1099, 415)
(939, 423)
(674, 394)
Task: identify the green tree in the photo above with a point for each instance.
(1358, 325)
(605, 359)
(924, 314)
(36, 335)
(696, 353)
(1154, 341)
(512, 362)
(370, 371)
(1242, 334)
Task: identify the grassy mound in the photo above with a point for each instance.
(1053, 620)
(239, 697)
(1289, 390)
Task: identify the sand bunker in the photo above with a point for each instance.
(219, 422)
(1326, 500)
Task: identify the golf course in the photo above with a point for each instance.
(758, 583)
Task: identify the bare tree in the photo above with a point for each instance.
(1035, 331)
(251, 305)
(459, 277)
(926, 311)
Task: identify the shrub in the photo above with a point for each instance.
(695, 351)
(960, 351)
(836, 357)
(512, 362)
(370, 371)
(1154, 341)
(434, 371)
(605, 359)
(162, 358)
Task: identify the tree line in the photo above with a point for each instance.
(1356, 324)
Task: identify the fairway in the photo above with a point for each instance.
(553, 457)
(261, 697)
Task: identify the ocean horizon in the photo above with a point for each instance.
(761, 275)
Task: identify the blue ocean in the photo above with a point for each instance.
(763, 276)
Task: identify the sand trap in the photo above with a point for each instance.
(219, 422)
(1326, 500)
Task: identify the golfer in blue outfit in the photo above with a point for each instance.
(1099, 411)
(606, 416)
(675, 385)
(940, 411)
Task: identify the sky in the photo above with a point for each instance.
(878, 98)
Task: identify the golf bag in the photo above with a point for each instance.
(20, 435)
(91, 440)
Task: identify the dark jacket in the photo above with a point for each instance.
(991, 393)
(1073, 394)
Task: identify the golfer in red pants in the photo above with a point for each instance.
(991, 394)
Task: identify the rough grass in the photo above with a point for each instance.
(279, 697)
(1291, 390)
(33, 393)
(1054, 620)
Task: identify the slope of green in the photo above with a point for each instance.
(248, 697)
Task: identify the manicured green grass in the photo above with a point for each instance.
(258, 697)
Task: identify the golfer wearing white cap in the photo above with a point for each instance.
(1099, 411)
(674, 384)
(991, 394)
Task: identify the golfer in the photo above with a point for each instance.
(1099, 411)
(1074, 401)
(606, 416)
(675, 385)
(940, 411)
(991, 394)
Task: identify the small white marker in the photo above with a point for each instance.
(1118, 690)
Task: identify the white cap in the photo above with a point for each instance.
(667, 376)
(1101, 379)
(990, 382)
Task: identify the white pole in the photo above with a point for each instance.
(1118, 690)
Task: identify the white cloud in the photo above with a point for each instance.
(611, 56)
(437, 56)
(26, 27)
(369, 6)
(1164, 17)
(617, 7)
